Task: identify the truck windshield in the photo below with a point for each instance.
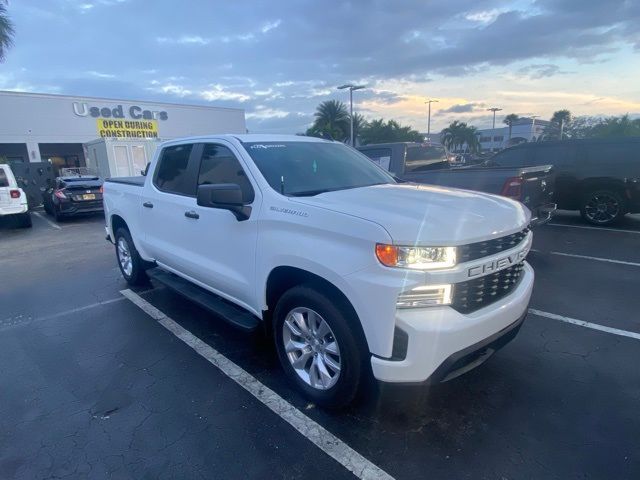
(311, 168)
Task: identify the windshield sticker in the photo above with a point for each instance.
(265, 146)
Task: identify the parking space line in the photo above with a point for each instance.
(42, 217)
(318, 435)
(594, 228)
(586, 257)
(13, 321)
(581, 323)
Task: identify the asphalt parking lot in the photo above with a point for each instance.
(92, 386)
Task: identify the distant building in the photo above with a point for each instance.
(523, 130)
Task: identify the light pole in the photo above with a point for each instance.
(430, 101)
(533, 126)
(494, 110)
(351, 88)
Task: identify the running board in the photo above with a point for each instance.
(229, 312)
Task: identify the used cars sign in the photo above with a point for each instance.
(82, 109)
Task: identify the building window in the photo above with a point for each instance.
(485, 139)
(498, 138)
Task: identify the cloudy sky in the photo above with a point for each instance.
(278, 59)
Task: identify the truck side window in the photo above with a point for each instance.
(518, 157)
(380, 156)
(172, 170)
(219, 165)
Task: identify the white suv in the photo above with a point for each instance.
(13, 200)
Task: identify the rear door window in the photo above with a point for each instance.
(379, 156)
(4, 180)
(518, 157)
(219, 165)
(556, 155)
(172, 173)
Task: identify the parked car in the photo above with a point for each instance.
(599, 177)
(73, 196)
(350, 271)
(427, 163)
(13, 200)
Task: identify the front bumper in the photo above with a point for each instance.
(443, 343)
(543, 214)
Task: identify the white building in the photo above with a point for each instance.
(54, 128)
(523, 130)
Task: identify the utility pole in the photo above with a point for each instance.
(429, 102)
(351, 88)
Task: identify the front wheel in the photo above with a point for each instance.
(602, 207)
(129, 261)
(318, 347)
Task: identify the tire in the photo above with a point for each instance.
(25, 220)
(318, 345)
(57, 215)
(602, 207)
(131, 265)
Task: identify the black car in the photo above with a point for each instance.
(599, 177)
(73, 196)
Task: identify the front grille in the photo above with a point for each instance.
(473, 251)
(477, 293)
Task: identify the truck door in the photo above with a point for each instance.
(165, 199)
(223, 249)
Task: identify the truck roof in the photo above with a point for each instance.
(252, 137)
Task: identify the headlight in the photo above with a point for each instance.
(418, 258)
(425, 296)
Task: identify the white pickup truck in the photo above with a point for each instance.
(351, 272)
(13, 200)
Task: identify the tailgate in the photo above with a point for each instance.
(537, 186)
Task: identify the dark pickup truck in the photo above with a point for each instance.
(599, 177)
(429, 163)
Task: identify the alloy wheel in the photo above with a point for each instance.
(312, 348)
(124, 257)
(602, 208)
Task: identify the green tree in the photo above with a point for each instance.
(331, 120)
(6, 31)
(510, 120)
(559, 123)
(622, 126)
(458, 134)
(359, 123)
(379, 131)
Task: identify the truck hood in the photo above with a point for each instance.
(427, 215)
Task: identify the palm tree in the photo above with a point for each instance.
(359, 123)
(379, 131)
(510, 120)
(6, 32)
(561, 119)
(458, 134)
(332, 120)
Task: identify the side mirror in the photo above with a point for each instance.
(227, 196)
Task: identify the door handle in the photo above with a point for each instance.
(147, 204)
(191, 214)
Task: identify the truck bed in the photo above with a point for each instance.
(137, 181)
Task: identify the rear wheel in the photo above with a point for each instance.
(317, 346)
(131, 265)
(25, 220)
(602, 207)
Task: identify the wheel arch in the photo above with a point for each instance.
(285, 277)
(602, 183)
